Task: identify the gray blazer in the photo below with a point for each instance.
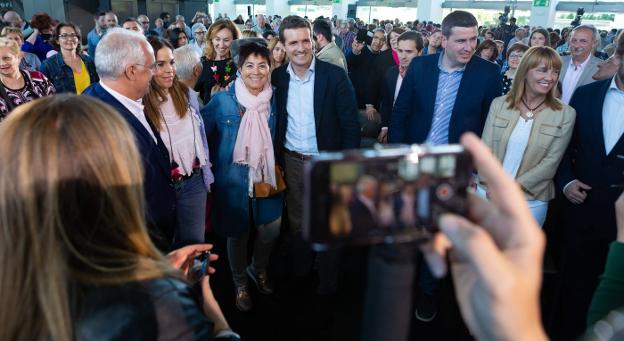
(586, 76)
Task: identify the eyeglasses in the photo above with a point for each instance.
(144, 22)
(68, 36)
(200, 32)
(515, 56)
(151, 67)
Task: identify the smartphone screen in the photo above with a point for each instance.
(200, 267)
(392, 198)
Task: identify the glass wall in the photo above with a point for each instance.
(602, 21)
(368, 13)
(311, 11)
(255, 9)
(488, 17)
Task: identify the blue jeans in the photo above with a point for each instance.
(191, 196)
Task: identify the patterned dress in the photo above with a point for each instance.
(36, 86)
(506, 84)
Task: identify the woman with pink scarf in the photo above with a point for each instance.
(240, 127)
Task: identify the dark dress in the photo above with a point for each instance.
(506, 84)
(222, 72)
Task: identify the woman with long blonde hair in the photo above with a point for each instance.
(529, 128)
(278, 53)
(76, 259)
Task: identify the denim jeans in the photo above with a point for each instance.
(237, 251)
(191, 196)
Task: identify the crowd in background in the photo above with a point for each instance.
(210, 123)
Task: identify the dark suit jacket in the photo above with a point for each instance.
(588, 228)
(412, 114)
(387, 100)
(362, 218)
(335, 108)
(587, 161)
(157, 185)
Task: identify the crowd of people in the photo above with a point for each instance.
(183, 131)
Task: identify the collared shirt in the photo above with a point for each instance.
(612, 115)
(301, 129)
(135, 107)
(571, 78)
(397, 88)
(370, 205)
(448, 85)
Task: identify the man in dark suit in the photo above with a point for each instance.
(362, 207)
(316, 111)
(410, 44)
(591, 167)
(125, 61)
(442, 96)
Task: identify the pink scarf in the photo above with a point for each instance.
(254, 146)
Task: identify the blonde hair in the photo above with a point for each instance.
(71, 213)
(10, 29)
(530, 60)
(271, 45)
(209, 51)
(10, 44)
(250, 34)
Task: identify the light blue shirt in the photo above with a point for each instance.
(612, 116)
(301, 129)
(448, 85)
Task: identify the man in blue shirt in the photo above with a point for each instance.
(316, 111)
(442, 96)
(94, 36)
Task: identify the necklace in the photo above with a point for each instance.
(530, 114)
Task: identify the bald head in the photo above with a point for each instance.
(13, 19)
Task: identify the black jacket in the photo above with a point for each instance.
(335, 108)
(157, 185)
(158, 309)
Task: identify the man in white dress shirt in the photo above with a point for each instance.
(125, 63)
(590, 175)
(580, 65)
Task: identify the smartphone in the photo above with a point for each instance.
(386, 194)
(200, 267)
(361, 36)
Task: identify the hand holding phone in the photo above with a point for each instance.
(200, 267)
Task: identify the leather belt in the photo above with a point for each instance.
(297, 155)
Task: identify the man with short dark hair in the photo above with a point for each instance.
(94, 36)
(326, 49)
(316, 111)
(111, 20)
(410, 45)
(132, 24)
(443, 96)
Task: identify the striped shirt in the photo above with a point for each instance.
(448, 85)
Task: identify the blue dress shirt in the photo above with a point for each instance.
(301, 129)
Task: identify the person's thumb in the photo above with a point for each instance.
(472, 244)
(584, 186)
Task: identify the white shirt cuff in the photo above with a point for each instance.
(568, 184)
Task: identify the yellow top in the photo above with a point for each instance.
(82, 79)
